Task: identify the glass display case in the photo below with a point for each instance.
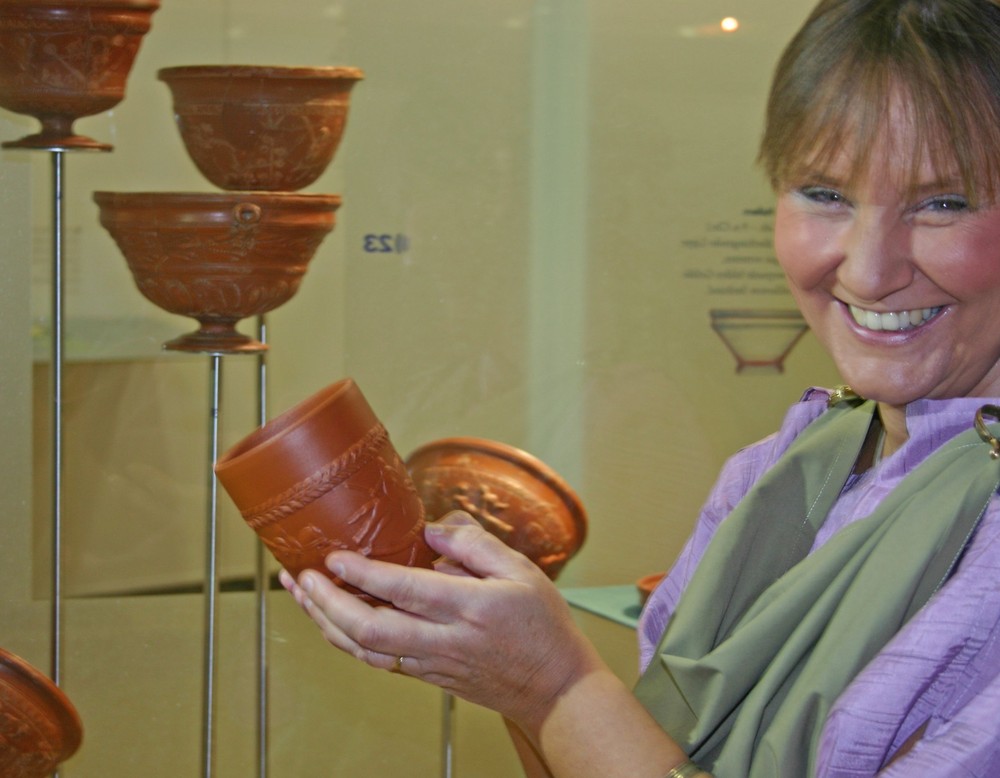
(552, 234)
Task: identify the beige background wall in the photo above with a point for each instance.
(575, 182)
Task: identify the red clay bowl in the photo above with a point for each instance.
(63, 59)
(39, 727)
(253, 127)
(514, 495)
(217, 257)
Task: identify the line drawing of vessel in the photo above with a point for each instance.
(759, 339)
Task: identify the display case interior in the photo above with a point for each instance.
(543, 201)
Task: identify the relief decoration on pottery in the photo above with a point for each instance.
(288, 141)
(299, 495)
(154, 248)
(503, 507)
(363, 529)
(199, 274)
(27, 736)
(219, 297)
(69, 60)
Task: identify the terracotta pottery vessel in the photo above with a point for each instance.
(217, 257)
(252, 127)
(39, 727)
(324, 476)
(63, 59)
(514, 495)
(646, 584)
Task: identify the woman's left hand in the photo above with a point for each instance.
(495, 631)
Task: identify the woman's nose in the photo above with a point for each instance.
(876, 257)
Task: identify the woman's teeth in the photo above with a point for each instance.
(892, 322)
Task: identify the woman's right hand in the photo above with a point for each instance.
(495, 631)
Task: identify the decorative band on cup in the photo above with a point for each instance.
(319, 483)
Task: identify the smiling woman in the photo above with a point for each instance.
(835, 612)
(887, 222)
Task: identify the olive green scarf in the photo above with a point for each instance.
(765, 637)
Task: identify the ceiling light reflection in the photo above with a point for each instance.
(726, 26)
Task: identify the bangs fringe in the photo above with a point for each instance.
(824, 104)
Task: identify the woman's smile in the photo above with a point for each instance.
(892, 321)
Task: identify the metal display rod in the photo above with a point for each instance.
(211, 572)
(447, 726)
(56, 378)
(58, 361)
(212, 556)
(262, 581)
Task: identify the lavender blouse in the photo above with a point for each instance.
(942, 668)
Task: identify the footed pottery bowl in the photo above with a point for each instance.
(63, 59)
(39, 727)
(252, 127)
(514, 495)
(324, 476)
(217, 257)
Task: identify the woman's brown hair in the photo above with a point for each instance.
(938, 60)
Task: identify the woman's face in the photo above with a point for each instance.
(900, 284)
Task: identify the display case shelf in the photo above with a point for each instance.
(619, 604)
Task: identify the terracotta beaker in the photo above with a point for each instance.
(63, 59)
(254, 127)
(39, 727)
(324, 476)
(513, 494)
(217, 257)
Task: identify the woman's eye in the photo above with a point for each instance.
(945, 204)
(822, 195)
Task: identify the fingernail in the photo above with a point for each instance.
(335, 567)
(307, 582)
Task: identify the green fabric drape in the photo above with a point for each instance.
(766, 635)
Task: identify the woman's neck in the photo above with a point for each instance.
(893, 418)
